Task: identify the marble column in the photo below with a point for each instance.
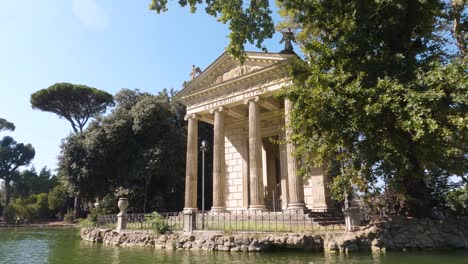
(257, 195)
(295, 184)
(245, 171)
(284, 173)
(219, 203)
(191, 165)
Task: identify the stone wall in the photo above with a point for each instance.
(207, 240)
(394, 234)
(315, 190)
(234, 147)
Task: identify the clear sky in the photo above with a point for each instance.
(106, 44)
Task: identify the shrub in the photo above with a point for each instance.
(42, 206)
(107, 205)
(69, 217)
(9, 214)
(24, 208)
(157, 222)
(57, 198)
(85, 222)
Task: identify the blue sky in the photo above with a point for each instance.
(107, 44)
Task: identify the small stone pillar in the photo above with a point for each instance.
(352, 218)
(190, 221)
(122, 216)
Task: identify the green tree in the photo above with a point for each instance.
(57, 198)
(130, 147)
(34, 206)
(74, 102)
(12, 156)
(5, 125)
(381, 93)
(30, 182)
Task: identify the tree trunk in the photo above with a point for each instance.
(418, 199)
(76, 206)
(7, 197)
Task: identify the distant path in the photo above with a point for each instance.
(41, 224)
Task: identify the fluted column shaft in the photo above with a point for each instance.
(191, 165)
(257, 195)
(218, 161)
(295, 183)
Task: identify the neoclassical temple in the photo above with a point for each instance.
(251, 170)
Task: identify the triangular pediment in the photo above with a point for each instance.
(227, 68)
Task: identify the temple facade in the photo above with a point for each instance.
(251, 169)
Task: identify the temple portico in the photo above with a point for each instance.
(251, 170)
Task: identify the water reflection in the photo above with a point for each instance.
(64, 246)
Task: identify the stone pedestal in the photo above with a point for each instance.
(352, 218)
(190, 221)
(121, 221)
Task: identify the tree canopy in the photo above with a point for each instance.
(380, 95)
(74, 102)
(12, 156)
(140, 142)
(5, 125)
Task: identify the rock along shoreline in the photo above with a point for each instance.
(396, 233)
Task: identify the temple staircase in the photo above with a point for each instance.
(327, 217)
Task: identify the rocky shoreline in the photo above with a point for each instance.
(396, 233)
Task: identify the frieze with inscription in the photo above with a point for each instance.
(235, 72)
(233, 95)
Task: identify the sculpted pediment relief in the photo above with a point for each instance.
(226, 68)
(235, 72)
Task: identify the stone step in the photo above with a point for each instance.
(328, 223)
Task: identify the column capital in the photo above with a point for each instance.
(217, 109)
(255, 99)
(190, 116)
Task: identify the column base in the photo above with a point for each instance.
(259, 207)
(296, 207)
(189, 210)
(218, 209)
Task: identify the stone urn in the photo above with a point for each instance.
(123, 204)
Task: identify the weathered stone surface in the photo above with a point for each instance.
(395, 233)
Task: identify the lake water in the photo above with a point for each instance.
(31, 246)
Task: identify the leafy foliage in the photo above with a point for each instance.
(141, 140)
(85, 222)
(157, 222)
(12, 156)
(32, 207)
(76, 103)
(57, 198)
(5, 125)
(249, 22)
(30, 182)
(396, 111)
